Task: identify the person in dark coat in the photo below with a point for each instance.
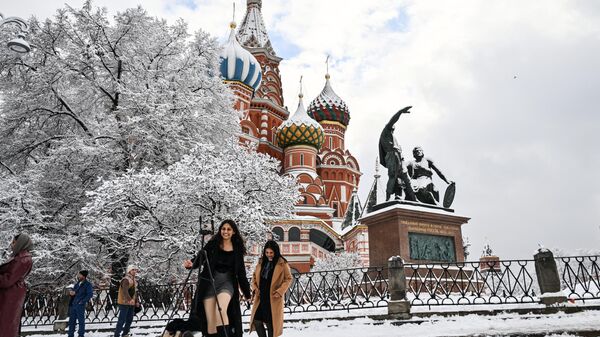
(81, 294)
(225, 252)
(270, 282)
(12, 285)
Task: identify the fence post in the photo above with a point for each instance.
(62, 319)
(398, 306)
(548, 278)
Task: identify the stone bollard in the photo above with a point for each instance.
(548, 278)
(62, 320)
(398, 306)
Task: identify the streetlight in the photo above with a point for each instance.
(19, 45)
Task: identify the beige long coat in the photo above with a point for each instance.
(282, 278)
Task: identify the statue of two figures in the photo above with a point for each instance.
(414, 179)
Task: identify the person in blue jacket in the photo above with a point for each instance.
(81, 294)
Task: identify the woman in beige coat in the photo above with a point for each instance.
(271, 280)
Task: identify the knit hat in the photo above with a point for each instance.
(84, 273)
(132, 267)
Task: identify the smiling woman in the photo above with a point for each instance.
(216, 304)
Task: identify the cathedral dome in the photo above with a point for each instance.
(238, 64)
(328, 106)
(300, 129)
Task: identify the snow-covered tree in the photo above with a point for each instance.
(334, 274)
(104, 104)
(338, 261)
(155, 214)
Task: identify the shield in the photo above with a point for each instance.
(449, 195)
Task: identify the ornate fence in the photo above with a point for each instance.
(433, 284)
(497, 282)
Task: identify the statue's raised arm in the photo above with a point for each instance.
(387, 141)
(394, 119)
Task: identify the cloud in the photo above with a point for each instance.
(522, 150)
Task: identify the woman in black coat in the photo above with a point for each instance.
(225, 252)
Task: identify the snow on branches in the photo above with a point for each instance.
(117, 135)
(338, 261)
(155, 214)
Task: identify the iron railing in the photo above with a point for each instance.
(501, 282)
(580, 276)
(468, 283)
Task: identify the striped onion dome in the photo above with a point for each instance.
(328, 106)
(300, 129)
(238, 64)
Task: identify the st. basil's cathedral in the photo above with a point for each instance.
(310, 144)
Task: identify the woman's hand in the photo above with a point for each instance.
(187, 264)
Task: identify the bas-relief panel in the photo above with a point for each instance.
(431, 247)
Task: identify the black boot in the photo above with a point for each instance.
(259, 327)
(221, 331)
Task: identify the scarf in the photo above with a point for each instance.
(264, 274)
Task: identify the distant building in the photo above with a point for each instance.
(309, 143)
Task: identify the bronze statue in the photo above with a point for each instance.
(390, 157)
(420, 171)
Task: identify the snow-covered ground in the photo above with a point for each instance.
(559, 324)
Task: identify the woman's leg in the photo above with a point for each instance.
(210, 308)
(213, 318)
(223, 328)
(224, 299)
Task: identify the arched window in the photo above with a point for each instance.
(301, 159)
(294, 234)
(321, 239)
(278, 233)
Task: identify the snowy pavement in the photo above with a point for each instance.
(586, 323)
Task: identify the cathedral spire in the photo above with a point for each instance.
(252, 33)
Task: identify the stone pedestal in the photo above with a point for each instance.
(548, 278)
(398, 306)
(62, 319)
(414, 231)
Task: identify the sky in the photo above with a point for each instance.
(504, 94)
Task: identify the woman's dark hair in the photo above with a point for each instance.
(237, 239)
(273, 245)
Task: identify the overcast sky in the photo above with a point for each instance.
(505, 95)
